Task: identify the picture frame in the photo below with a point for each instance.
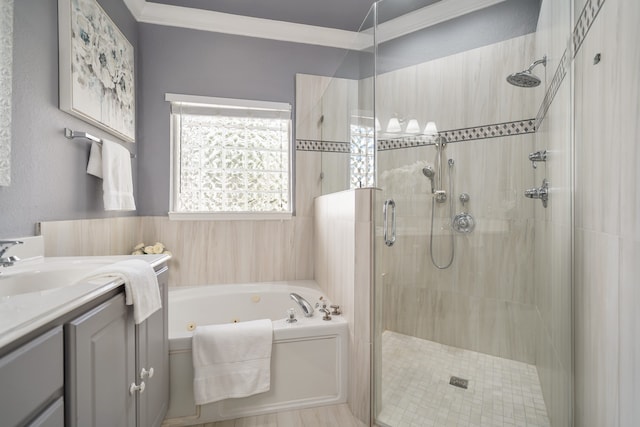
(96, 69)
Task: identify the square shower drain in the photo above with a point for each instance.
(459, 382)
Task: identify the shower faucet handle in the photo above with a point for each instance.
(537, 156)
(541, 193)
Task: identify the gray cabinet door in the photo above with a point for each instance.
(100, 363)
(153, 352)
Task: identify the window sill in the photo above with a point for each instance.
(230, 216)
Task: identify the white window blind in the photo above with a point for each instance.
(230, 156)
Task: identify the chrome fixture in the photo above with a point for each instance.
(538, 156)
(291, 316)
(4, 247)
(541, 193)
(325, 310)
(429, 173)
(597, 59)
(526, 78)
(306, 308)
(389, 238)
(72, 134)
(464, 198)
(440, 196)
(335, 309)
(464, 221)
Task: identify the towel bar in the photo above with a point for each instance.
(70, 134)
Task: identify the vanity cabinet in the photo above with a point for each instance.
(100, 363)
(152, 361)
(116, 372)
(32, 382)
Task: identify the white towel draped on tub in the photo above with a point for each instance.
(231, 360)
(140, 285)
(112, 163)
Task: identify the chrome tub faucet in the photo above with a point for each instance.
(306, 308)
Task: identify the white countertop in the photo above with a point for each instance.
(23, 313)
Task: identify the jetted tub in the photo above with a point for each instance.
(308, 359)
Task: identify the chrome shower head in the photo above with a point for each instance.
(429, 173)
(526, 78)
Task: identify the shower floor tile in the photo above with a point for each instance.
(416, 389)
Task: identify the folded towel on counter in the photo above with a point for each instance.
(231, 360)
(112, 163)
(140, 285)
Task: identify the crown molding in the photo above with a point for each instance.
(428, 16)
(206, 20)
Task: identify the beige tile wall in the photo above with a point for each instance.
(325, 109)
(343, 233)
(208, 252)
(485, 300)
(607, 232)
(108, 236)
(462, 90)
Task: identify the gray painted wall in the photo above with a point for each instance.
(178, 60)
(502, 21)
(48, 179)
(48, 174)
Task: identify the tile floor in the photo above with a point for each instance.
(324, 416)
(416, 389)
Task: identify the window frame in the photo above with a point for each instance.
(175, 170)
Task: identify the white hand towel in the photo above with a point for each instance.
(231, 360)
(94, 167)
(140, 285)
(117, 181)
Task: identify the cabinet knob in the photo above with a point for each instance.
(146, 374)
(133, 388)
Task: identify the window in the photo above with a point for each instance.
(362, 160)
(230, 158)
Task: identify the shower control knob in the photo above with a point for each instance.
(541, 193)
(464, 223)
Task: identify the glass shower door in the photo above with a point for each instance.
(463, 294)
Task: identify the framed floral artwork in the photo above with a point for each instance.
(96, 68)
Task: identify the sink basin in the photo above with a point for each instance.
(46, 274)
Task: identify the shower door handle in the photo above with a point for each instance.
(389, 238)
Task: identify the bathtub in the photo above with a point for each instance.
(308, 361)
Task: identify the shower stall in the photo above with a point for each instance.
(470, 161)
(467, 326)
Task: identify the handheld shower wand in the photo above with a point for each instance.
(429, 173)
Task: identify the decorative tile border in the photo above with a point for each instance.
(497, 130)
(580, 31)
(587, 16)
(326, 146)
(558, 77)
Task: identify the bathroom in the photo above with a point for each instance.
(551, 287)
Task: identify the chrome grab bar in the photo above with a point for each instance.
(389, 203)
